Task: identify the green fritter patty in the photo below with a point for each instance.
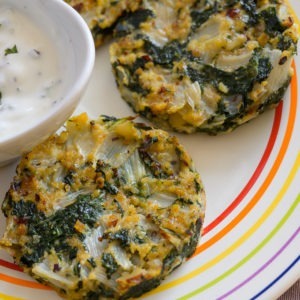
(204, 65)
(104, 210)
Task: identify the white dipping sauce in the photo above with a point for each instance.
(30, 82)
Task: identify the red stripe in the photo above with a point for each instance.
(10, 265)
(239, 198)
(254, 177)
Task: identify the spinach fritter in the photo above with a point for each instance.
(104, 210)
(102, 16)
(197, 65)
(204, 65)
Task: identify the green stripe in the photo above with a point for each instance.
(249, 256)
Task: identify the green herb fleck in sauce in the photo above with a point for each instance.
(12, 50)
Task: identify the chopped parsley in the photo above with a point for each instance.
(12, 50)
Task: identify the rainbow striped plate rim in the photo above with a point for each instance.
(251, 243)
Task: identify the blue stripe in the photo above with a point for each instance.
(276, 279)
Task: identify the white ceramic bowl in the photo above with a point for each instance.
(73, 41)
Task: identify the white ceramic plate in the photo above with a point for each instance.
(250, 246)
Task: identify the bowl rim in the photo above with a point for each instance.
(77, 86)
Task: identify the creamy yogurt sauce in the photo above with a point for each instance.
(30, 82)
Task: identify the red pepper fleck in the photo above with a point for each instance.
(135, 279)
(37, 197)
(21, 220)
(189, 232)
(78, 7)
(113, 223)
(289, 22)
(162, 90)
(56, 268)
(146, 58)
(185, 163)
(282, 60)
(233, 12)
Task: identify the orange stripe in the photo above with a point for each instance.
(244, 212)
(271, 175)
(22, 282)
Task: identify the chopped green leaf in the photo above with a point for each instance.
(109, 263)
(56, 227)
(272, 22)
(12, 50)
(200, 16)
(165, 55)
(122, 236)
(132, 21)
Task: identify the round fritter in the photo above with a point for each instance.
(204, 65)
(104, 210)
(101, 16)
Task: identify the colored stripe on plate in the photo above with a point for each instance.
(264, 266)
(264, 159)
(269, 177)
(23, 282)
(6, 297)
(277, 278)
(240, 241)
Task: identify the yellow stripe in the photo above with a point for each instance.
(5, 297)
(241, 240)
